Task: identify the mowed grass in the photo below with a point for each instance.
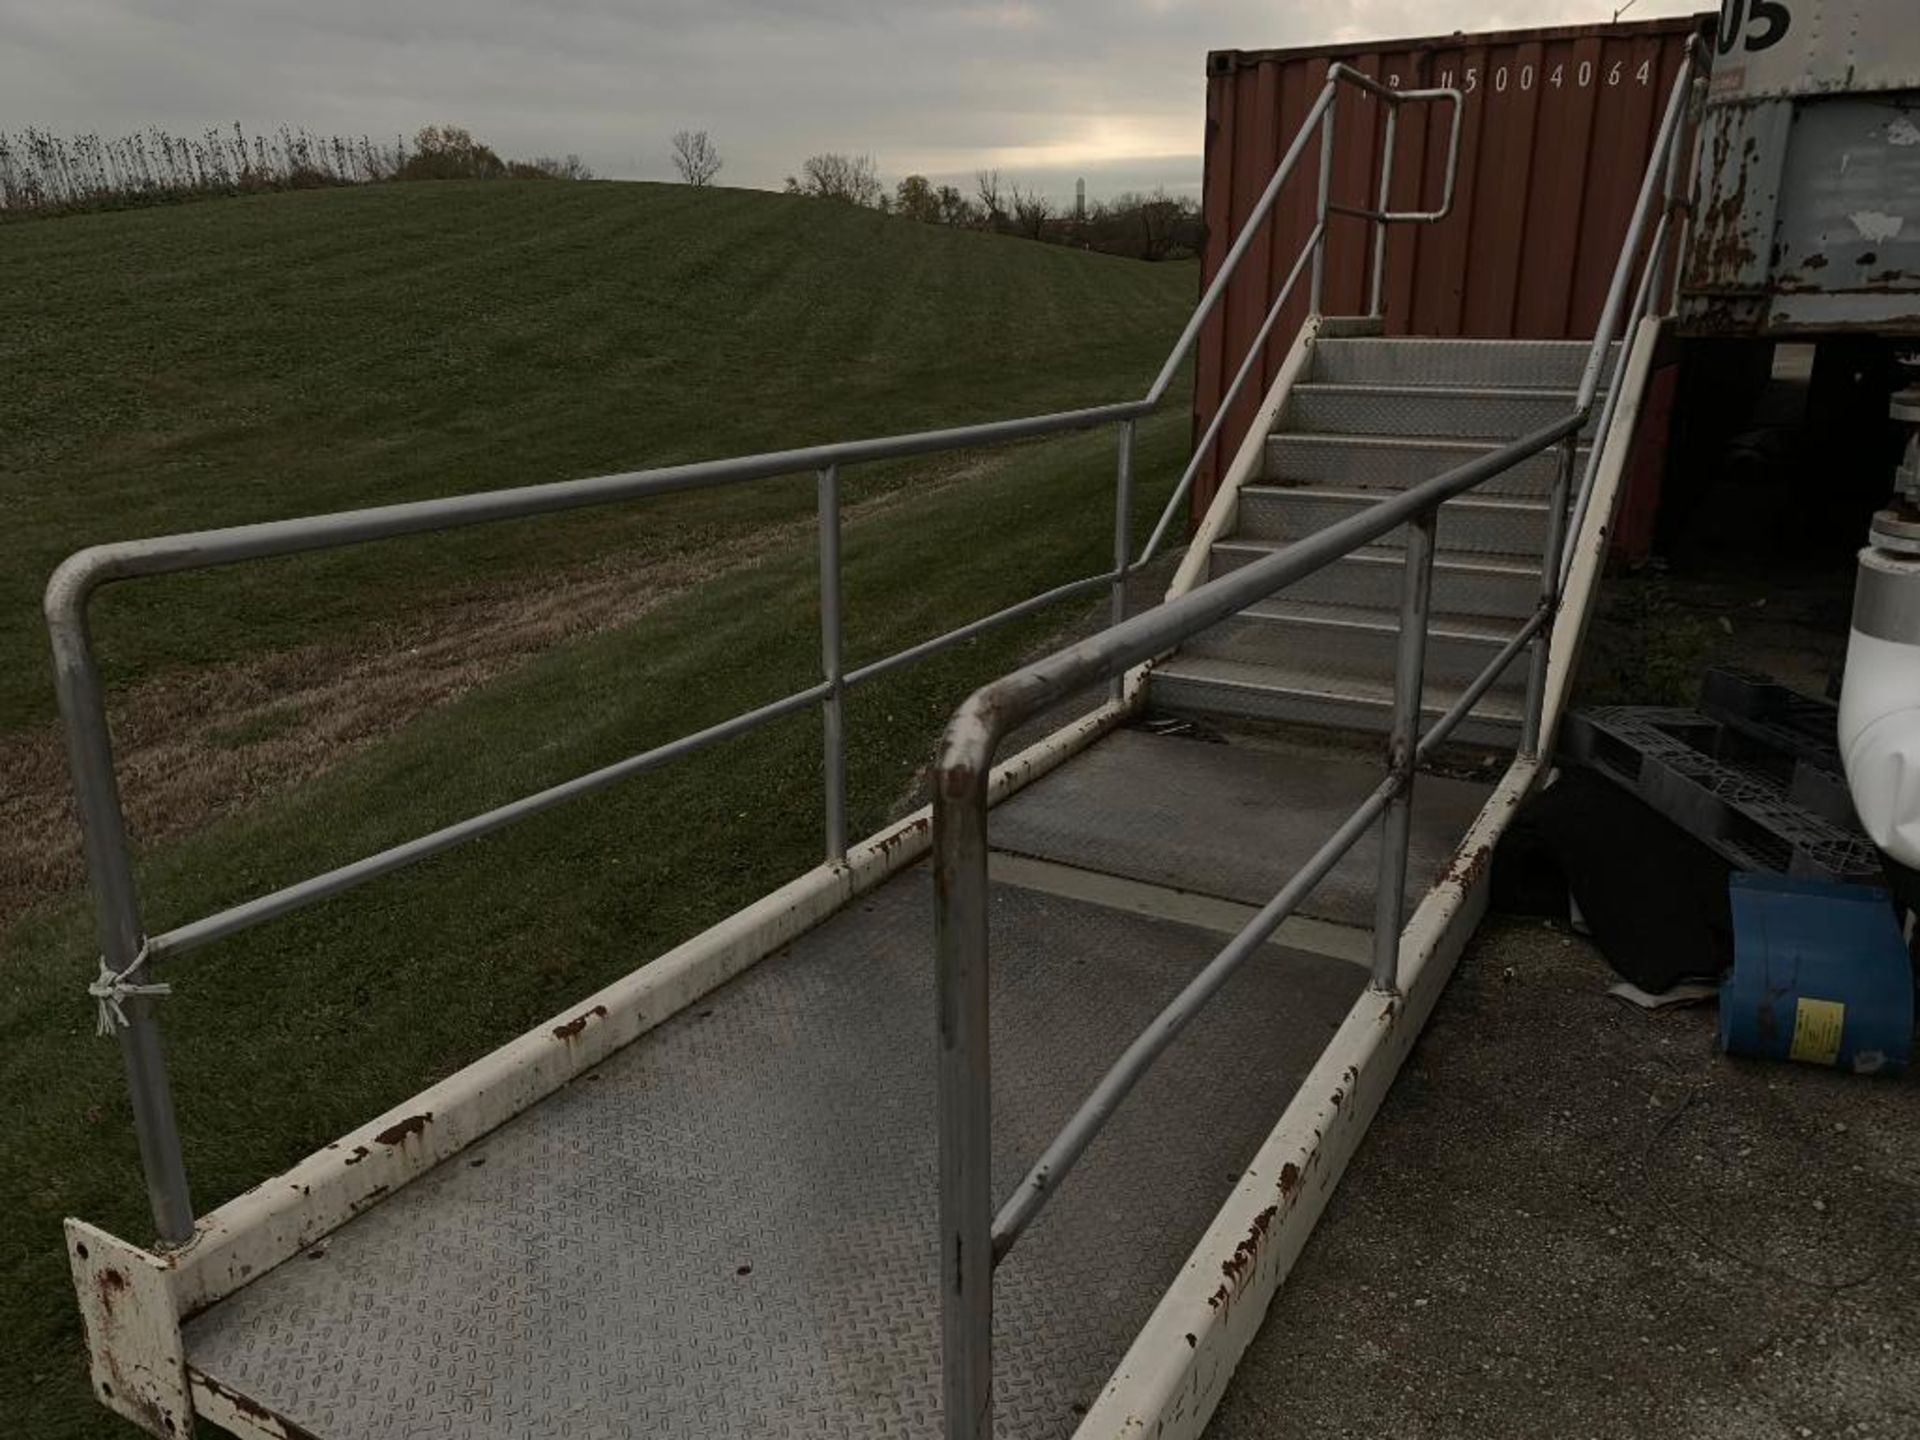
(286, 354)
(579, 329)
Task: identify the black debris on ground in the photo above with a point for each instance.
(1573, 1218)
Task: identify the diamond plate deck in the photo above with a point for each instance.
(728, 1228)
(1231, 820)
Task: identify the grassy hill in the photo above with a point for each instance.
(254, 358)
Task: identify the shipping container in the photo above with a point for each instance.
(1558, 127)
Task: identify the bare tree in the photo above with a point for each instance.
(833, 176)
(1031, 212)
(986, 187)
(695, 157)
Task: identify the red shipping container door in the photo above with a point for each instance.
(1557, 130)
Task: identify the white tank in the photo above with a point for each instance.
(1880, 702)
(1880, 697)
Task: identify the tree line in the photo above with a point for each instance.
(1145, 225)
(46, 174)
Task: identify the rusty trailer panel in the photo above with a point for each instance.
(1810, 162)
(1558, 129)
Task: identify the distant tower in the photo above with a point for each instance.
(1080, 198)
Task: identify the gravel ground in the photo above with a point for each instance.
(1573, 1219)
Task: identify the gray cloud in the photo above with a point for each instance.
(1109, 89)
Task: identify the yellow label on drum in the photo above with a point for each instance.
(1816, 1030)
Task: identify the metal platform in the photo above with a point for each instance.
(728, 1228)
(1231, 819)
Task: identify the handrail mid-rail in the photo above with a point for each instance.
(128, 953)
(974, 1238)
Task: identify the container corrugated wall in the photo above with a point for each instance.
(1558, 127)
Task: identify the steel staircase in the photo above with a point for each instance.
(1372, 415)
(1166, 980)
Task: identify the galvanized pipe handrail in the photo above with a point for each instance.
(990, 713)
(1311, 250)
(973, 1238)
(1437, 733)
(1376, 292)
(1024, 1204)
(125, 949)
(231, 921)
(1225, 403)
(967, 749)
(1336, 75)
(72, 584)
(1664, 169)
(329, 883)
(1020, 609)
(1636, 228)
(969, 1249)
(1608, 407)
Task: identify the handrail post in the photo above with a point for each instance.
(1636, 229)
(833, 707)
(1550, 570)
(1409, 682)
(116, 910)
(1689, 179)
(1326, 185)
(1376, 305)
(1674, 165)
(965, 1085)
(1122, 535)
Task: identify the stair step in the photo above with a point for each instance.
(1358, 641)
(1206, 685)
(1526, 364)
(1489, 525)
(1395, 462)
(1372, 577)
(1486, 412)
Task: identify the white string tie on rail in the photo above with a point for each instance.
(113, 987)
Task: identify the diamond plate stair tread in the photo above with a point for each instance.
(1481, 629)
(1229, 820)
(585, 1279)
(1254, 547)
(1361, 495)
(1415, 360)
(1375, 691)
(1391, 463)
(1499, 413)
(1491, 525)
(1440, 388)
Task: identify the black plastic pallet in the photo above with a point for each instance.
(1783, 734)
(1677, 761)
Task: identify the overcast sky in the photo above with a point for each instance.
(1109, 89)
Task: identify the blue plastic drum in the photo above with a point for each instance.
(1820, 974)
